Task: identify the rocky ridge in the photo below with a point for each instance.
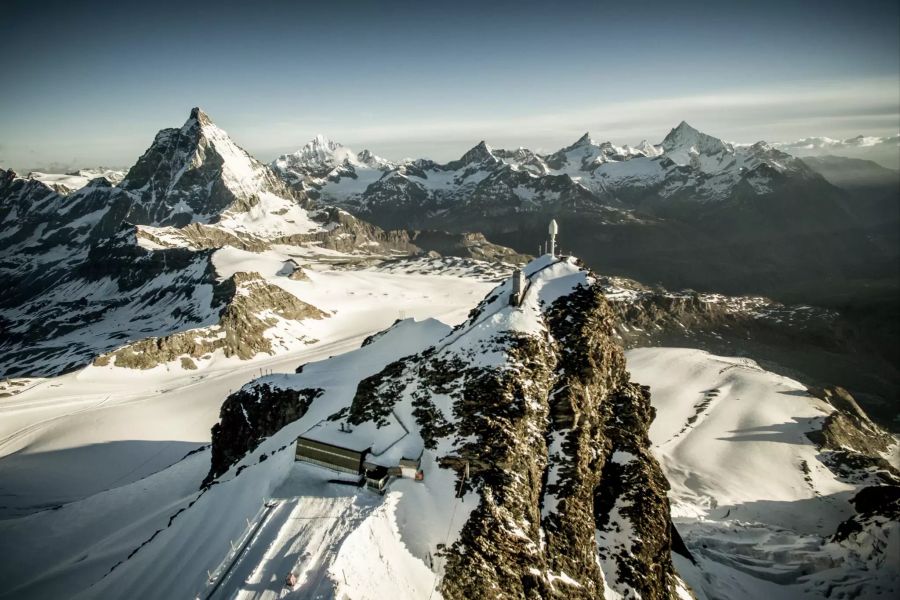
(256, 319)
(531, 411)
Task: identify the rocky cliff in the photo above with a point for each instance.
(529, 411)
(253, 307)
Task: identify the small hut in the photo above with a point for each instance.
(377, 477)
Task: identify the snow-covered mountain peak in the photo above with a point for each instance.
(684, 143)
(66, 183)
(648, 149)
(686, 138)
(478, 154)
(366, 157)
(318, 157)
(761, 146)
(584, 140)
(195, 173)
(198, 115)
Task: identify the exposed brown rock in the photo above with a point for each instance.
(239, 332)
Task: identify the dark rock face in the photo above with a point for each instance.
(872, 504)
(466, 245)
(852, 445)
(814, 344)
(574, 389)
(251, 415)
(182, 176)
(552, 440)
(244, 331)
(844, 401)
(353, 235)
(599, 415)
(117, 292)
(853, 449)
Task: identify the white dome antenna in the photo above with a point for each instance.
(553, 230)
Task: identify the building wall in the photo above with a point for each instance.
(328, 456)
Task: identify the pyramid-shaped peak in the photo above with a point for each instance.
(182, 161)
(198, 115)
(584, 140)
(682, 132)
(688, 139)
(479, 152)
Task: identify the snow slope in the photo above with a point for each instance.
(750, 495)
(69, 182)
(95, 440)
(339, 543)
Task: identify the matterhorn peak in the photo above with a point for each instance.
(181, 162)
(198, 114)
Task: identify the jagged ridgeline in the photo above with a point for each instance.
(98, 267)
(753, 218)
(532, 439)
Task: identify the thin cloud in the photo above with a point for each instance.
(826, 108)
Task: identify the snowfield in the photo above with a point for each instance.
(107, 462)
(749, 493)
(77, 446)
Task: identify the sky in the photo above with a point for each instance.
(90, 83)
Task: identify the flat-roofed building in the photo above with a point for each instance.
(330, 456)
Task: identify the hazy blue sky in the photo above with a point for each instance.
(91, 82)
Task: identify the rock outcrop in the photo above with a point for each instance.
(853, 447)
(251, 415)
(466, 245)
(531, 410)
(254, 306)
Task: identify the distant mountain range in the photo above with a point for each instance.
(691, 211)
(883, 150)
